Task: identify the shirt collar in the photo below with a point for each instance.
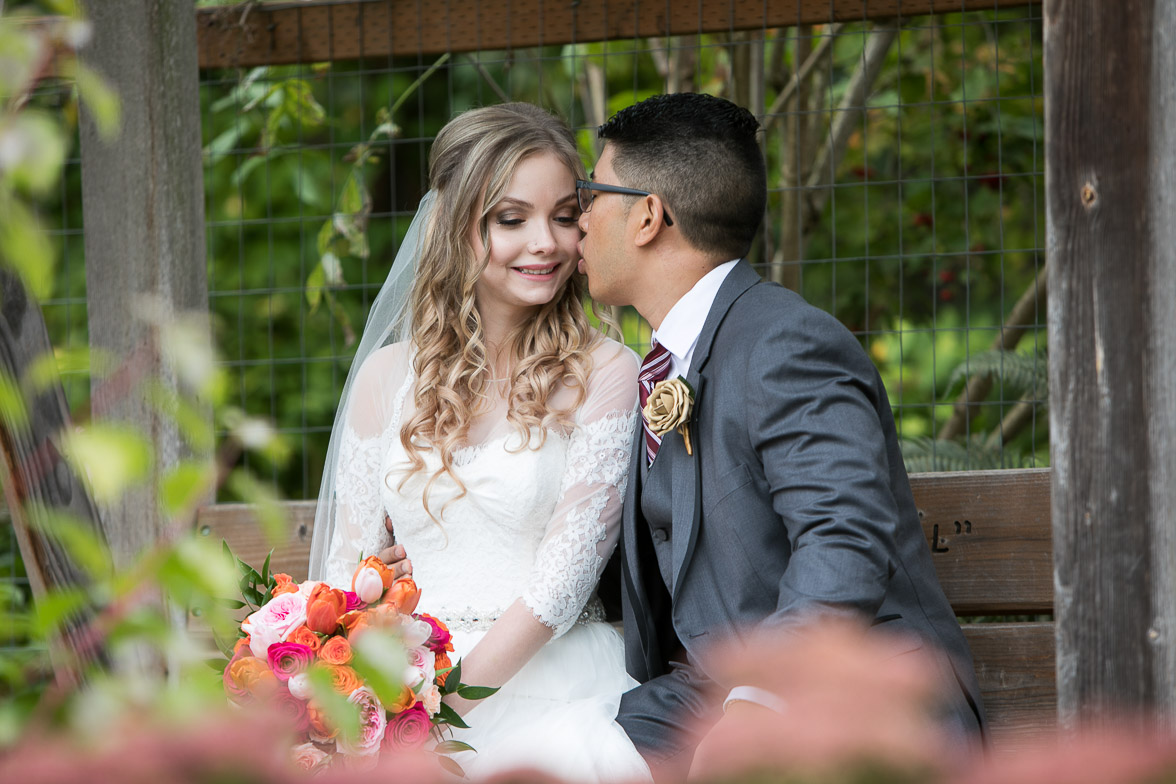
(681, 327)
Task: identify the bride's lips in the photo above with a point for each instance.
(537, 271)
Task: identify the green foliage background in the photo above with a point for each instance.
(934, 227)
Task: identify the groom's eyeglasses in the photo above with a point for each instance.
(585, 195)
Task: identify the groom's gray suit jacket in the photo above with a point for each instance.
(794, 501)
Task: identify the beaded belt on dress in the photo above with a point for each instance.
(469, 620)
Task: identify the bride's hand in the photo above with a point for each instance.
(395, 556)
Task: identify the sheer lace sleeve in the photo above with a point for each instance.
(372, 419)
(586, 523)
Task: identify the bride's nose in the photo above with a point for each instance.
(542, 241)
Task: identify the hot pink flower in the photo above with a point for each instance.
(274, 621)
(440, 639)
(408, 729)
(288, 658)
(353, 600)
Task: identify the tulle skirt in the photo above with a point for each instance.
(558, 714)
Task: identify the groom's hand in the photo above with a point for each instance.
(395, 556)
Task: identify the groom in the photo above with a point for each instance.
(791, 500)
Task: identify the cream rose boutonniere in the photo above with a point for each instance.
(668, 408)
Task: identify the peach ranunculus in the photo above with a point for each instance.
(336, 650)
(285, 584)
(403, 595)
(235, 691)
(324, 607)
(274, 621)
(431, 699)
(304, 636)
(253, 675)
(371, 579)
(310, 758)
(343, 679)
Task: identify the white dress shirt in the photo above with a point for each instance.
(681, 327)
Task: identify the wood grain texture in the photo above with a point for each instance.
(237, 525)
(990, 538)
(1110, 114)
(283, 33)
(35, 476)
(1015, 668)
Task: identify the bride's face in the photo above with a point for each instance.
(533, 238)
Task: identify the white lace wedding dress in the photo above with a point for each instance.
(537, 522)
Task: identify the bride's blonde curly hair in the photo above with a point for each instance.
(472, 162)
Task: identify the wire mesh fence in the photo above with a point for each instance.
(906, 196)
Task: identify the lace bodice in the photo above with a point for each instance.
(537, 521)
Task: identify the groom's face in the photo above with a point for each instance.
(604, 247)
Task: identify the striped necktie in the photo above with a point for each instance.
(654, 368)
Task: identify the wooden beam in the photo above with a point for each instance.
(306, 32)
(143, 207)
(1110, 119)
(36, 478)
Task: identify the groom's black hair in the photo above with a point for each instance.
(701, 155)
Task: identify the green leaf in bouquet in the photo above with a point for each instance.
(475, 692)
(450, 717)
(451, 766)
(453, 682)
(452, 747)
(338, 710)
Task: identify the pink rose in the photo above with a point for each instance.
(408, 729)
(353, 600)
(420, 666)
(372, 724)
(439, 639)
(292, 709)
(310, 758)
(288, 658)
(274, 621)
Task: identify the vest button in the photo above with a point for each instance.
(660, 534)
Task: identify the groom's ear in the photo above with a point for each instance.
(651, 219)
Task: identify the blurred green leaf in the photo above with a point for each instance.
(102, 101)
(184, 485)
(108, 457)
(56, 607)
(267, 505)
(25, 248)
(338, 711)
(13, 410)
(85, 546)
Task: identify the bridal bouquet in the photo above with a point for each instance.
(356, 672)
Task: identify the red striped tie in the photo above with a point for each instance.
(655, 368)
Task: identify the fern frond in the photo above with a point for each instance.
(1021, 375)
(928, 454)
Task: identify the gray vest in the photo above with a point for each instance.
(657, 509)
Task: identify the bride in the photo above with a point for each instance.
(492, 424)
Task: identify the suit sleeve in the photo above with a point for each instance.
(814, 423)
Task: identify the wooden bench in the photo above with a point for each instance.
(990, 537)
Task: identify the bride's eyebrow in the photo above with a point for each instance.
(528, 205)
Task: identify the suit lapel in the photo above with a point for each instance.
(687, 477)
(631, 518)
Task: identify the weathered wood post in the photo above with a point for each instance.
(1110, 108)
(143, 208)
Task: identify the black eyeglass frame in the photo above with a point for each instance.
(589, 185)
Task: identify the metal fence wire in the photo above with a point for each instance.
(905, 167)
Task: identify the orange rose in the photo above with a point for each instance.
(285, 584)
(406, 700)
(324, 607)
(253, 675)
(336, 650)
(343, 679)
(304, 636)
(440, 663)
(242, 645)
(318, 722)
(403, 595)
